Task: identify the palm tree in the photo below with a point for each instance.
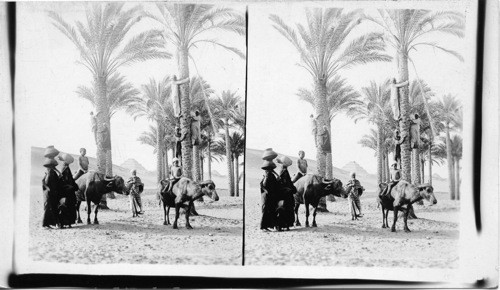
(186, 26)
(449, 108)
(375, 109)
(225, 107)
(237, 141)
(103, 49)
(456, 152)
(199, 89)
(153, 105)
(324, 52)
(120, 94)
(340, 98)
(406, 30)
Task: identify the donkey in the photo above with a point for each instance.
(403, 194)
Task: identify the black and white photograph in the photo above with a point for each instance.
(134, 115)
(249, 144)
(355, 132)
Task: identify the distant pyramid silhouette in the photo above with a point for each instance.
(355, 167)
(133, 164)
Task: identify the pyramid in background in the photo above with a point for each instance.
(133, 164)
(355, 167)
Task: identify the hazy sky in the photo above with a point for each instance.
(48, 111)
(278, 119)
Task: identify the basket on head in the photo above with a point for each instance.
(284, 160)
(50, 162)
(268, 165)
(50, 152)
(66, 158)
(269, 154)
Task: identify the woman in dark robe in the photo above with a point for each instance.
(286, 215)
(270, 190)
(51, 185)
(67, 202)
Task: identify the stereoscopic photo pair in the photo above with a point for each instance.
(278, 139)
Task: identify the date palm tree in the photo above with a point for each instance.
(325, 50)
(153, 105)
(105, 45)
(226, 107)
(186, 27)
(199, 89)
(375, 109)
(456, 152)
(406, 30)
(120, 94)
(449, 108)
(340, 98)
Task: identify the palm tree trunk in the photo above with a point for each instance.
(202, 169)
(159, 152)
(196, 163)
(187, 150)
(102, 116)
(328, 166)
(380, 156)
(422, 166)
(415, 154)
(321, 108)
(109, 159)
(167, 173)
(209, 160)
(449, 160)
(404, 125)
(387, 166)
(457, 178)
(236, 175)
(430, 163)
(230, 177)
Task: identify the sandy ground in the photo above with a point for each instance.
(338, 241)
(118, 238)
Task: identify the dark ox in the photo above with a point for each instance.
(92, 186)
(402, 198)
(183, 194)
(310, 189)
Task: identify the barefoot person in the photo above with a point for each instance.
(395, 178)
(398, 140)
(175, 174)
(83, 163)
(176, 95)
(354, 191)
(301, 166)
(135, 187)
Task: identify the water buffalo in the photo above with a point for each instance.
(403, 194)
(91, 187)
(310, 189)
(185, 191)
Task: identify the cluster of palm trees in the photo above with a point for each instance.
(327, 47)
(106, 44)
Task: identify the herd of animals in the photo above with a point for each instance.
(309, 190)
(281, 196)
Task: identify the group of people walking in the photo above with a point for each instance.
(60, 189)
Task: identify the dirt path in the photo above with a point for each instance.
(215, 240)
(433, 242)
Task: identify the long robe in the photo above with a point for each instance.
(67, 202)
(51, 185)
(288, 204)
(270, 191)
